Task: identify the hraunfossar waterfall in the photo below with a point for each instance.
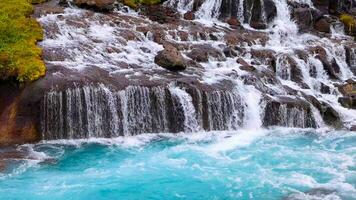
(178, 99)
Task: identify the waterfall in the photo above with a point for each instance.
(283, 68)
(185, 101)
(210, 9)
(98, 111)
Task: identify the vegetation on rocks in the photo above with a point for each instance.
(349, 22)
(20, 58)
(135, 3)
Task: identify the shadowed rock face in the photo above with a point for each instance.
(101, 5)
(115, 73)
(17, 115)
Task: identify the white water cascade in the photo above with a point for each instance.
(249, 79)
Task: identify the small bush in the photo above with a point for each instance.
(135, 3)
(349, 21)
(20, 58)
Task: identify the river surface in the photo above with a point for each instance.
(246, 164)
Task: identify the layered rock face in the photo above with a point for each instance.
(190, 66)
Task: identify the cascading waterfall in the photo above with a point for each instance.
(101, 111)
(97, 111)
(185, 101)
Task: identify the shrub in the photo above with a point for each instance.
(135, 3)
(349, 21)
(20, 58)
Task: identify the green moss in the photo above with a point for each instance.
(20, 58)
(135, 3)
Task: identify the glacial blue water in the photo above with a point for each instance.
(247, 164)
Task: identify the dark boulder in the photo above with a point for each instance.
(303, 17)
(202, 53)
(348, 102)
(100, 5)
(171, 59)
(322, 25)
(160, 14)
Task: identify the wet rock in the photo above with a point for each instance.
(257, 15)
(229, 52)
(348, 102)
(322, 5)
(100, 5)
(303, 17)
(233, 22)
(189, 15)
(353, 128)
(288, 112)
(232, 39)
(351, 57)
(349, 92)
(266, 57)
(331, 67)
(202, 53)
(322, 25)
(228, 9)
(330, 116)
(171, 59)
(324, 89)
(349, 88)
(245, 66)
(160, 14)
